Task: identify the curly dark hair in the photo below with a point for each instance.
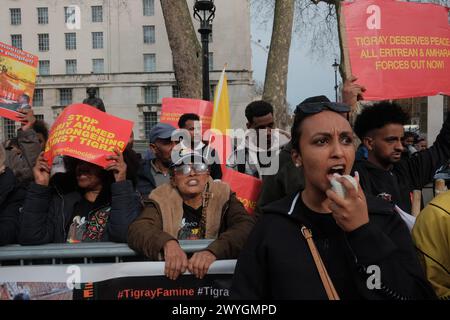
(41, 127)
(257, 108)
(377, 116)
(185, 118)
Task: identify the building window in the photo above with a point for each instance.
(71, 66)
(149, 34)
(150, 62)
(175, 91)
(98, 65)
(211, 35)
(151, 95)
(42, 15)
(69, 15)
(65, 97)
(38, 98)
(9, 128)
(97, 40)
(16, 16)
(97, 14)
(71, 41)
(44, 67)
(149, 7)
(150, 120)
(39, 117)
(44, 44)
(211, 61)
(16, 41)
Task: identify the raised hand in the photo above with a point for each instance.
(350, 212)
(27, 118)
(352, 92)
(117, 166)
(41, 171)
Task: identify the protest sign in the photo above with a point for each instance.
(247, 188)
(113, 281)
(173, 108)
(83, 132)
(17, 80)
(398, 49)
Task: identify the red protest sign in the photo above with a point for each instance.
(173, 108)
(86, 133)
(9, 114)
(247, 188)
(17, 80)
(398, 49)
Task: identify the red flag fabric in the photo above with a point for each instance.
(247, 188)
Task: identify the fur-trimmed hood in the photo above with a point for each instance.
(168, 199)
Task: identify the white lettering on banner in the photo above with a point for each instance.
(374, 21)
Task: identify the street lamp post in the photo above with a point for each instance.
(335, 65)
(204, 11)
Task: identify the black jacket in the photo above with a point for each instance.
(11, 199)
(289, 179)
(408, 174)
(276, 262)
(145, 181)
(47, 213)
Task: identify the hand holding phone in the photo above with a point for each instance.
(337, 187)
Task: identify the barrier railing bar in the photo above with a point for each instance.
(83, 250)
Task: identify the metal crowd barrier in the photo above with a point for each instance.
(82, 252)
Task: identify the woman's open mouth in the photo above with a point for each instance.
(339, 169)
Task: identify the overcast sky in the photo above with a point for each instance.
(307, 76)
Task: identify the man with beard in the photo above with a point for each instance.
(384, 173)
(155, 172)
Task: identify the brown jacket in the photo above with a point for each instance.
(226, 221)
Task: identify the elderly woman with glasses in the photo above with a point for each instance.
(328, 241)
(192, 206)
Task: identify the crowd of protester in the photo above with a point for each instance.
(305, 241)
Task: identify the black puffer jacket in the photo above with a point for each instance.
(11, 199)
(276, 262)
(47, 213)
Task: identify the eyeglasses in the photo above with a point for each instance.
(186, 169)
(316, 107)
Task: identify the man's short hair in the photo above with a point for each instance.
(41, 127)
(257, 108)
(185, 118)
(378, 116)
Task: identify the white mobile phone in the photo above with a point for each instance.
(337, 187)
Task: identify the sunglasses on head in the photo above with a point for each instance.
(316, 107)
(186, 169)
